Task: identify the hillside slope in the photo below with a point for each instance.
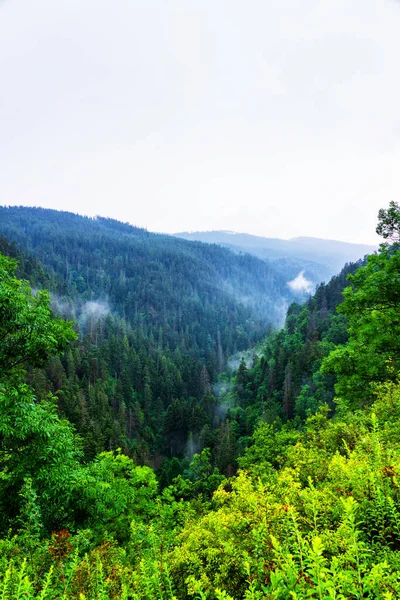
(157, 319)
(191, 290)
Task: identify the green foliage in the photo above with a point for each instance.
(314, 511)
(38, 450)
(36, 444)
(27, 332)
(326, 526)
(191, 290)
(287, 381)
(371, 305)
(157, 318)
(111, 491)
(389, 222)
(268, 443)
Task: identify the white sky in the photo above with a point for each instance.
(274, 117)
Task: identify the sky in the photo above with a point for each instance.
(272, 117)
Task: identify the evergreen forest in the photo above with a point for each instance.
(176, 423)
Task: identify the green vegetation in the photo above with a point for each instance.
(291, 487)
(157, 319)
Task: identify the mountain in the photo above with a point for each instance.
(151, 278)
(320, 259)
(157, 318)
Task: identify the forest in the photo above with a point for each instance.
(157, 318)
(163, 437)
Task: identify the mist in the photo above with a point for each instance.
(301, 284)
(85, 314)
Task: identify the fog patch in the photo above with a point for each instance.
(282, 313)
(269, 304)
(192, 447)
(95, 309)
(64, 307)
(221, 410)
(86, 314)
(221, 391)
(221, 388)
(248, 356)
(301, 284)
(91, 313)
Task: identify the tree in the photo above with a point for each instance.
(372, 306)
(288, 391)
(241, 381)
(111, 491)
(389, 222)
(204, 380)
(227, 450)
(35, 444)
(28, 331)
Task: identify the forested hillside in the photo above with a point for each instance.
(190, 290)
(311, 419)
(157, 319)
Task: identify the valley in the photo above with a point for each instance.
(154, 412)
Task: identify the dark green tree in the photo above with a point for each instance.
(389, 222)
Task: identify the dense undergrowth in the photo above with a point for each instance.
(326, 524)
(312, 512)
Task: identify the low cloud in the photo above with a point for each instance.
(91, 313)
(248, 356)
(301, 284)
(65, 307)
(97, 310)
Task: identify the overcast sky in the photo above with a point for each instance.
(273, 117)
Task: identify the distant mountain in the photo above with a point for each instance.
(319, 258)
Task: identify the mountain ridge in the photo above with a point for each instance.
(320, 258)
(263, 237)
